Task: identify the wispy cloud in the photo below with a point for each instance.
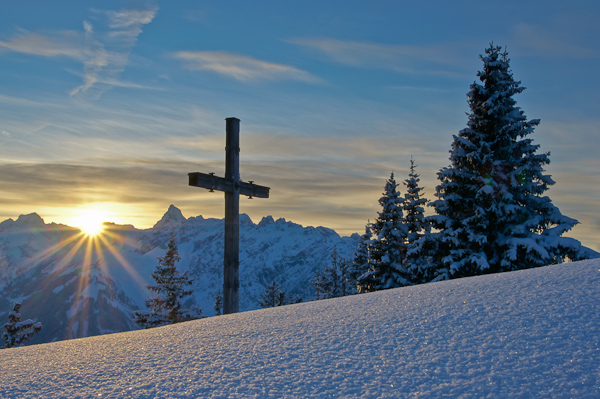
(241, 67)
(59, 44)
(429, 59)
(130, 21)
(104, 53)
(532, 40)
(108, 53)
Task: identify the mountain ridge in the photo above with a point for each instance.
(78, 288)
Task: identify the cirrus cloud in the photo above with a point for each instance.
(240, 67)
(413, 59)
(60, 44)
(104, 52)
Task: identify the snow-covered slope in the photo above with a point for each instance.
(525, 334)
(78, 288)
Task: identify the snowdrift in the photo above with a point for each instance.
(526, 334)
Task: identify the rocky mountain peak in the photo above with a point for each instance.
(31, 220)
(172, 218)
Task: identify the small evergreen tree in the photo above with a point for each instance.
(348, 277)
(334, 279)
(387, 251)
(165, 304)
(218, 307)
(360, 264)
(272, 296)
(491, 212)
(17, 332)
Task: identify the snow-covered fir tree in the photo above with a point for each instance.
(413, 206)
(387, 251)
(165, 303)
(491, 210)
(16, 332)
(418, 261)
(272, 296)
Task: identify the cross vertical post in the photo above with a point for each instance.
(232, 185)
(231, 263)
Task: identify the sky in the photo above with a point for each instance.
(107, 106)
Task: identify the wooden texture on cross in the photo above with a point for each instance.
(233, 187)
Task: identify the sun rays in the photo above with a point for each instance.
(89, 260)
(97, 255)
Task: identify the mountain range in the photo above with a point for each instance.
(79, 286)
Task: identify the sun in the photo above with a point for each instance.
(91, 222)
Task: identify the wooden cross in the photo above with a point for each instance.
(233, 187)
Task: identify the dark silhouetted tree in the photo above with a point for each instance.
(165, 303)
(360, 263)
(218, 307)
(273, 296)
(335, 279)
(17, 332)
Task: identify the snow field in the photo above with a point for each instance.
(526, 334)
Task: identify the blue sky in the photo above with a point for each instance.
(110, 104)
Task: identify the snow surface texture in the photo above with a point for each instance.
(525, 334)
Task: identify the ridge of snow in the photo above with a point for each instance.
(531, 333)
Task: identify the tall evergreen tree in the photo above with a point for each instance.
(16, 332)
(417, 259)
(165, 304)
(387, 251)
(491, 212)
(413, 206)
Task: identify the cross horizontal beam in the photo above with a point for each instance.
(212, 182)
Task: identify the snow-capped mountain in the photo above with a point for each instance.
(79, 287)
